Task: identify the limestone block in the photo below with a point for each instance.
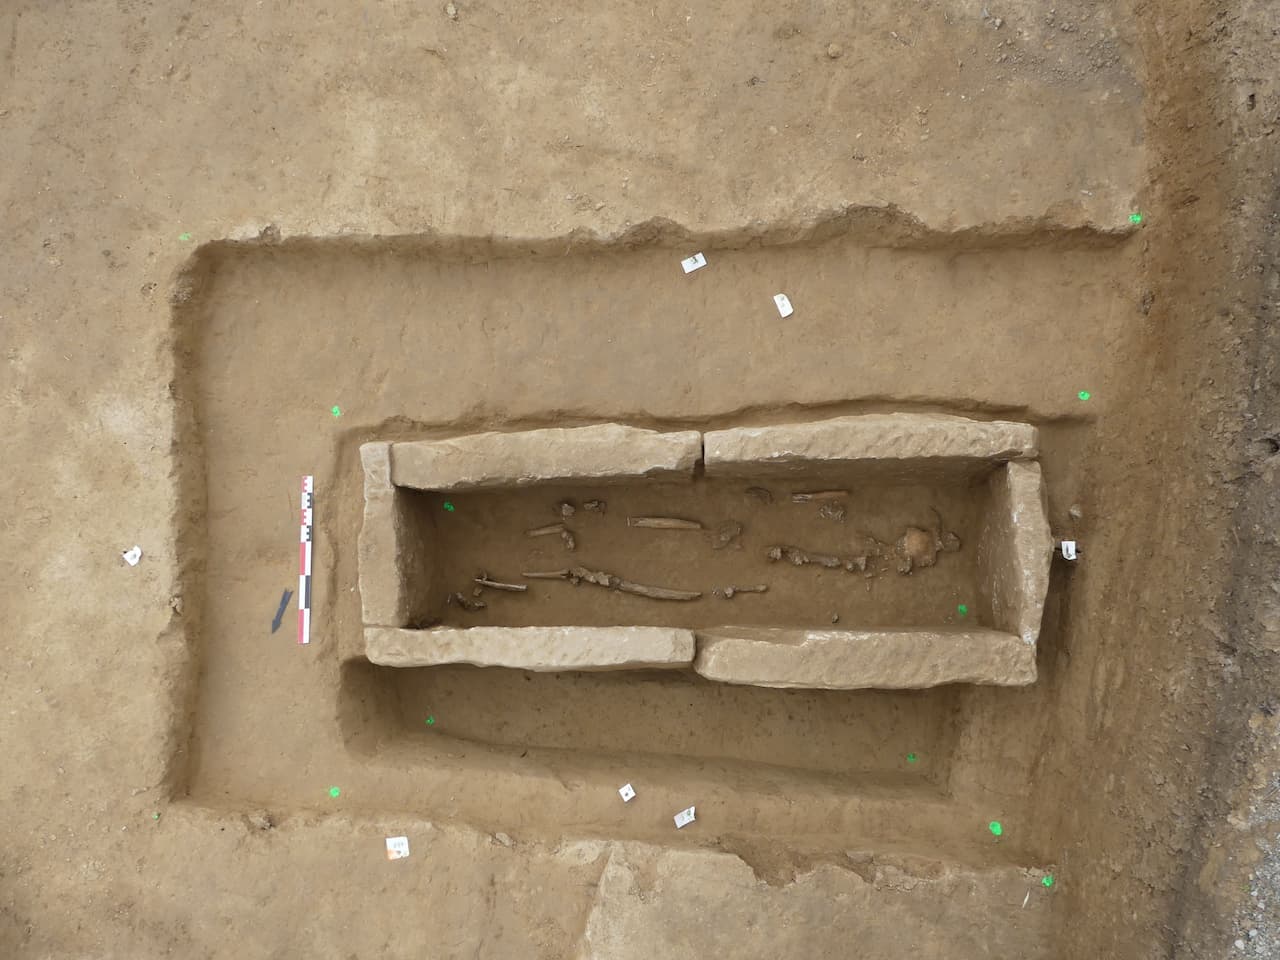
(392, 556)
(914, 446)
(603, 452)
(544, 649)
(1015, 551)
(695, 902)
(852, 659)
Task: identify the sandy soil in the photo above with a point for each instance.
(222, 223)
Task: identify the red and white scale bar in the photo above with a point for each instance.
(304, 560)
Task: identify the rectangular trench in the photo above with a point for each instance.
(260, 700)
(536, 754)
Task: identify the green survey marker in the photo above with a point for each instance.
(995, 827)
(1084, 394)
(911, 758)
(431, 721)
(1047, 881)
(448, 505)
(335, 791)
(962, 609)
(336, 410)
(1135, 218)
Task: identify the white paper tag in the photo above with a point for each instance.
(784, 304)
(626, 792)
(132, 556)
(1068, 549)
(397, 848)
(684, 818)
(696, 262)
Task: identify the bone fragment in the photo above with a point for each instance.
(600, 578)
(947, 542)
(801, 557)
(663, 523)
(726, 533)
(916, 548)
(814, 495)
(465, 602)
(548, 530)
(730, 592)
(832, 511)
(484, 581)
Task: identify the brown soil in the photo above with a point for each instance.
(477, 223)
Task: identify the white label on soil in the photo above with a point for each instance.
(684, 818)
(132, 556)
(397, 848)
(626, 792)
(696, 262)
(784, 304)
(1068, 549)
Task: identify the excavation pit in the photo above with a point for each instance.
(851, 738)
(813, 513)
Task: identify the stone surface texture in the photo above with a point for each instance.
(855, 659)
(1015, 550)
(605, 452)
(907, 444)
(677, 905)
(394, 563)
(544, 649)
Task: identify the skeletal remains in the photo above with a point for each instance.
(832, 511)
(920, 548)
(915, 548)
(663, 523)
(465, 602)
(554, 528)
(818, 495)
(576, 575)
(730, 592)
(483, 580)
(799, 558)
(546, 531)
(726, 533)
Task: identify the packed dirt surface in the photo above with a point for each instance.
(240, 242)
